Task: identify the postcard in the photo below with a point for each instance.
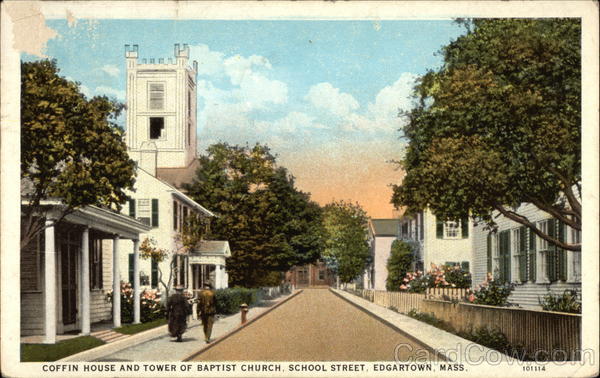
(238, 188)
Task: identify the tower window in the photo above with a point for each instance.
(157, 96)
(157, 124)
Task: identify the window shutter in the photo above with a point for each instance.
(464, 227)
(132, 208)
(154, 273)
(186, 266)
(561, 254)
(551, 254)
(489, 252)
(464, 265)
(439, 228)
(522, 254)
(532, 256)
(175, 215)
(131, 257)
(505, 255)
(154, 212)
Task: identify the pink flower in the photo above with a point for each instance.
(403, 287)
(471, 297)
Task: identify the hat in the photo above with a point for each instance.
(179, 287)
(208, 285)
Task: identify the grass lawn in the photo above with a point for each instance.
(53, 352)
(130, 329)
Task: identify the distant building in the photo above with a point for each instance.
(437, 242)
(316, 274)
(515, 254)
(382, 233)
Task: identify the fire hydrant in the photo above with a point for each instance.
(244, 312)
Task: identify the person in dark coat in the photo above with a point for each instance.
(207, 308)
(178, 310)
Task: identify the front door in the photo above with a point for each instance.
(69, 252)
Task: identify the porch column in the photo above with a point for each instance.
(136, 282)
(85, 281)
(218, 276)
(116, 284)
(49, 285)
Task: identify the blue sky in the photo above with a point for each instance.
(324, 95)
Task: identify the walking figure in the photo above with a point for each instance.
(207, 308)
(178, 310)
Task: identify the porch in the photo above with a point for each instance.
(66, 271)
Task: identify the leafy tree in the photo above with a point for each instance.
(398, 264)
(499, 124)
(72, 150)
(346, 247)
(270, 224)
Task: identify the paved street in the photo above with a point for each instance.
(313, 326)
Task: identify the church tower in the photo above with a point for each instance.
(161, 110)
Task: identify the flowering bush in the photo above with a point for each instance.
(151, 307)
(491, 292)
(567, 302)
(444, 276)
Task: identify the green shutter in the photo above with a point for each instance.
(505, 255)
(154, 272)
(489, 252)
(154, 212)
(175, 215)
(551, 254)
(439, 228)
(522, 254)
(561, 254)
(131, 257)
(532, 256)
(464, 265)
(132, 208)
(464, 227)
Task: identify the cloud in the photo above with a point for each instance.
(237, 67)
(111, 92)
(392, 98)
(292, 122)
(86, 91)
(111, 69)
(326, 96)
(209, 62)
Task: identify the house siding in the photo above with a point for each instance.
(526, 294)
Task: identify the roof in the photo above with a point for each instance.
(180, 195)
(384, 227)
(213, 247)
(178, 176)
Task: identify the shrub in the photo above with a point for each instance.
(398, 264)
(567, 302)
(491, 292)
(230, 299)
(151, 307)
(431, 319)
(443, 276)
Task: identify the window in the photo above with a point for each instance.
(421, 226)
(452, 229)
(464, 265)
(519, 248)
(156, 96)
(95, 263)
(321, 275)
(157, 124)
(147, 211)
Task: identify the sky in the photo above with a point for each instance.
(323, 95)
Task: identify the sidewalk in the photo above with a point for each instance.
(451, 347)
(157, 345)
